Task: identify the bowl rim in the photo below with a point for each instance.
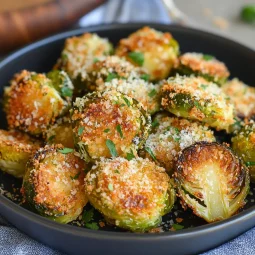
(248, 214)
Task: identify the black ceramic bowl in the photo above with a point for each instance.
(40, 57)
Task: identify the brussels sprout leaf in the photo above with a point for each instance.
(137, 57)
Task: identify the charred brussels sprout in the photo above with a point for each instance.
(32, 103)
(108, 124)
(243, 143)
(202, 65)
(151, 49)
(79, 54)
(171, 136)
(242, 96)
(61, 133)
(15, 150)
(197, 99)
(54, 184)
(211, 180)
(131, 194)
(110, 68)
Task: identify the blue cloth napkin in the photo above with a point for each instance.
(12, 241)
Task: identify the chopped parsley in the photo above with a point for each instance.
(51, 138)
(92, 225)
(177, 226)
(250, 163)
(66, 92)
(95, 60)
(111, 146)
(110, 186)
(198, 106)
(207, 57)
(87, 216)
(130, 155)
(136, 57)
(127, 101)
(152, 93)
(155, 123)
(203, 86)
(107, 130)
(150, 152)
(76, 176)
(116, 171)
(118, 128)
(80, 130)
(65, 150)
(145, 76)
(111, 76)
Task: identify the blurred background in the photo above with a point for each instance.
(24, 21)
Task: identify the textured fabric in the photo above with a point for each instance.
(12, 241)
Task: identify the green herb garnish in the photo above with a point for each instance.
(110, 186)
(66, 92)
(137, 57)
(111, 76)
(118, 128)
(203, 86)
(127, 101)
(250, 163)
(155, 123)
(198, 106)
(92, 225)
(95, 60)
(177, 226)
(116, 171)
(65, 150)
(87, 216)
(51, 138)
(111, 146)
(76, 176)
(80, 130)
(130, 155)
(150, 152)
(207, 57)
(152, 93)
(107, 130)
(145, 76)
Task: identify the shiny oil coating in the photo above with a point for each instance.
(131, 194)
(31, 103)
(54, 184)
(108, 116)
(159, 50)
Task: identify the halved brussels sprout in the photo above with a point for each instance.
(108, 124)
(151, 49)
(110, 68)
(32, 103)
(61, 133)
(131, 194)
(79, 54)
(171, 136)
(242, 96)
(197, 99)
(15, 150)
(243, 143)
(54, 183)
(202, 65)
(211, 180)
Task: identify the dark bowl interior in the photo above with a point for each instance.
(198, 235)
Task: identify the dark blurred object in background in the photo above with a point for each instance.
(22, 22)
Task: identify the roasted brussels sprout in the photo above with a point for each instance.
(61, 133)
(15, 150)
(130, 194)
(32, 103)
(171, 136)
(151, 49)
(202, 65)
(110, 68)
(242, 96)
(243, 143)
(211, 180)
(79, 53)
(108, 124)
(197, 99)
(54, 183)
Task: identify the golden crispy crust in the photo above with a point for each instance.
(31, 104)
(58, 180)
